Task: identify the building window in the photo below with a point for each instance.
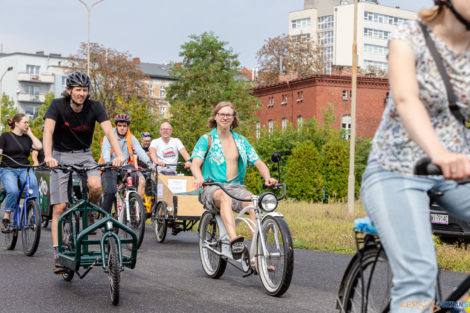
(300, 96)
(375, 49)
(301, 37)
(301, 23)
(346, 126)
(326, 38)
(258, 129)
(32, 90)
(382, 19)
(327, 53)
(300, 121)
(376, 33)
(271, 126)
(162, 91)
(32, 69)
(162, 110)
(326, 22)
(64, 81)
(271, 101)
(150, 90)
(375, 64)
(345, 95)
(284, 99)
(284, 123)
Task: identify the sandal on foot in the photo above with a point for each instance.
(237, 246)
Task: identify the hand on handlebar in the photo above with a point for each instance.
(455, 166)
(198, 182)
(118, 161)
(51, 162)
(270, 182)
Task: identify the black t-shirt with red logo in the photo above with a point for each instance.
(74, 131)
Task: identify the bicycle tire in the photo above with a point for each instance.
(113, 271)
(31, 234)
(68, 275)
(44, 222)
(380, 276)
(11, 237)
(67, 231)
(136, 224)
(159, 222)
(278, 242)
(212, 264)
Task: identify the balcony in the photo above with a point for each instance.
(41, 78)
(26, 97)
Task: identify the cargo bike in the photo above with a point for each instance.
(171, 202)
(75, 244)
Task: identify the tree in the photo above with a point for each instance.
(299, 54)
(37, 123)
(111, 72)
(8, 110)
(205, 77)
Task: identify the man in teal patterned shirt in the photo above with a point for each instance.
(226, 156)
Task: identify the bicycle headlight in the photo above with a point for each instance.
(268, 202)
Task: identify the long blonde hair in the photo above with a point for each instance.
(428, 15)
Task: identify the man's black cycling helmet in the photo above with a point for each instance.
(77, 79)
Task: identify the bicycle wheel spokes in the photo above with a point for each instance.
(370, 291)
(212, 263)
(10, 238)
(31, 232)
(275, 265)
(136, 217)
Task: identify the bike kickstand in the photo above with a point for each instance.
(88, 269)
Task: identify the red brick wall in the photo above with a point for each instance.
(318, 92)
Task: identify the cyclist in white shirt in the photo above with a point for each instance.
(166, 149)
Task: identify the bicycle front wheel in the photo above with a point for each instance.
(113, 271)
(136, 216)
(159, 222)
(31, 232)
(368, 285)
(276, 264)
(209, 237)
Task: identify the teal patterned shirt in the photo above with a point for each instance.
(215, 166)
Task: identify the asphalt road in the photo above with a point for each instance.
(168, 278)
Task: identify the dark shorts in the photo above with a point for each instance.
(207, 193)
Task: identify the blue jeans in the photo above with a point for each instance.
(398, 206)
(9, 177)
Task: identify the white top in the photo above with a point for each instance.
(167, 152)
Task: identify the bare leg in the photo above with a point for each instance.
(141, 186)
(94, 187)
(224, 203)
(57, 211)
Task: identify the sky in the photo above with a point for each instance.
(152, 30)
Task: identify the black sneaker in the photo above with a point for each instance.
(57, 268)
(5, 226)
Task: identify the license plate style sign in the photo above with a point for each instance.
(440, 219)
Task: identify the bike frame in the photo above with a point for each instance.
(254, 227)
(19, 215)
(125, 187)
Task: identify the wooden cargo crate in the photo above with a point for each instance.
(178, 192)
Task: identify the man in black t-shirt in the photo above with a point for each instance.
(68, 133)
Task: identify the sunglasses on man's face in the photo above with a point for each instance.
(146, 135)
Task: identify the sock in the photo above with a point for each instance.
(56, 251)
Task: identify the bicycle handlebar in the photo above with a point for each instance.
(22, 165)
(426, 167)
(79, 168)
(277, 186)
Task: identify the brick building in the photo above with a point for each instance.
(295, 100)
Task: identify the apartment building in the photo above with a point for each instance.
(331, 24)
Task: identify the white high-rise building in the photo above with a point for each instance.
(330, 23)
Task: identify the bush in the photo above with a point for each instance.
(335, 167)
(303, 176)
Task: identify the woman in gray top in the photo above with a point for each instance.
(417, 123)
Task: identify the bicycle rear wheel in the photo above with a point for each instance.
(31, 232)
(358, 295)
(209, 235)
(10, 238)
(275, 268)
(137, 223)
(113, 270)
(159, 222)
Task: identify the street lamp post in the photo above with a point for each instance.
(1, 95)
(89, 14)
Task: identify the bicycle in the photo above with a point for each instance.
(25, 218)
(129, 207)
(73, 238)
(366, 283)
(272, 242)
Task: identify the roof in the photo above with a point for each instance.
(154, 70)
(37, 54)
